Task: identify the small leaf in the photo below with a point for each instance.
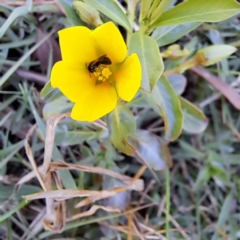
(225, 213)
(144, 9)
(121, 123)
(68, 138)
(46, 90)
(165, 101)
(194, 120)
(149, 56)
(111, 10)
(198, 11)
(153, 150)
(120, 200)
(57, 106)
(178, 82)
(203, 176)
(164, 37)
(72, 16)
(190, 151)
(213, 54)
(160, 9)
(160, 32)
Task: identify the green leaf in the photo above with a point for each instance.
(190, 151)
(194, 120)
(9, 213)
(7, 153)
(198, 11)
(72, 16)
(121, 123)
(169, 34)
(17, 12)
(153, 150)
(213, 54)
(226, 210)
(22, 11)
(150, 58)
(178, 82)
(165, 101)
(57, 106)
(68, 138)
(203, 176)
(144, 9)
(112, 10)
(49, 94)
(10, 71)
(46, 90)
(160, 9)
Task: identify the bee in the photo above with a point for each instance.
(103, 60)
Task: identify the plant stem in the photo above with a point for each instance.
(167, 205)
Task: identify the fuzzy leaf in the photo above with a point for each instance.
(213, 54)
(194, 120)
(153, 150)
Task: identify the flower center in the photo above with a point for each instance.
(102, 73)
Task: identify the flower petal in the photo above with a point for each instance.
(77, 46)
(74, 83)
(100, 102)
(111, 42)
(128, 77)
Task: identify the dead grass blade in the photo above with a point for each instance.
(223, 234)
(137, 186)
(30, 157)
(60, 210)
(52, 122)
(110, 192)
(226, 90)
(91, 211)
(28, 176)
(35, 225)
(8, 179)
(130, 224)
(62, 194)
(51, 222)
(123, 229)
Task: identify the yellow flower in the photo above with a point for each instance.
(93, 86)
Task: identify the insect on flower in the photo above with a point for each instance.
(95, 70)
(103, 60)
